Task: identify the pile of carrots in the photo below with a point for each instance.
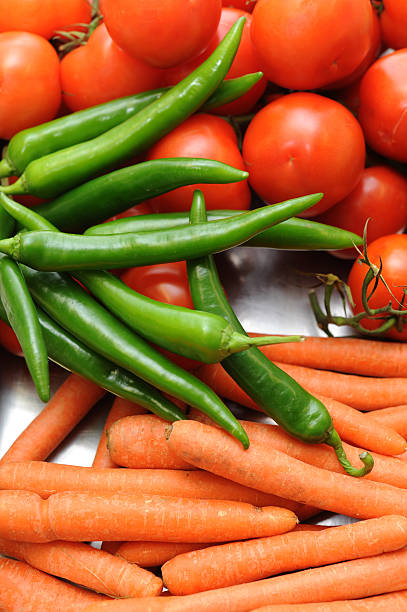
(222, 528)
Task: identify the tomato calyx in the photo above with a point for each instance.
(65, 41)
(378, 6)
(391, 317)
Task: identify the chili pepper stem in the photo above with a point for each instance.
(17, 188)
(238, 342)
(366, 458)
(10, 246)
(5, 168)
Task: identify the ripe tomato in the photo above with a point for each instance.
(382, 105)
(392, 251)
(162, 32)
(166, 283)
(30, 90)
(100, 71)
(244, 5)
(292, 147)
(244, 63)
(393, 23)
(202, 136)
(9, 341)
(381, 197)
(306, 45)
(44, 17)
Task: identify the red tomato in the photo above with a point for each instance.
(43, 17)
(244, 5)
(30, 90)
(381, 197)
(162, 32)
(393, 23)
(391, 250)
(9, 341)
(100, 71)
(306, 45)
(304, 143)
(383, 103)
(244, 63)
(209, 137)
(166, 283)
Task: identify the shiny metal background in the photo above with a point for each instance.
(269, 292)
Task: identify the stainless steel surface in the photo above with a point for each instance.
(269, 291)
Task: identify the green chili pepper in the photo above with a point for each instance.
(282, 398)
(296, 234)
(66, 302)
(115, 192)
(21, 312)
(35, 142)
(58, 251)
(192, 333)
(58, 172)
(71, 354)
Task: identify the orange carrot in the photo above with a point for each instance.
(70, 516)
(394, 417)
(86, 566)
(396, 602)
(386, 469)
(25, 589)
(139, 442)
(121, 408)
(154, 554)
(347, 580)
(275, 472)
(240, 562)
(48, 478)
(111, 547)
(350, 355)
(350, 424)
(361, 392)
(69, 404)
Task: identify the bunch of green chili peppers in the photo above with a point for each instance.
(107, 339)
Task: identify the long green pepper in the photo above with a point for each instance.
(296, 234)
(17, 302)
(58, 172)
(41, 140)
(45, 250)
(294, 409)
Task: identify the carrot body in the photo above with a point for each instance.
(386, 469)
(154, 554)
(70, 516)
(275, 472)
(121, 408)
(396, 602)
(240, 562)
(394, 416)
(25, 589)
(48, 478)
(69, 404)
(347, 580)
(349, 355)
(350, 424)
(80, 563)
(139, 442)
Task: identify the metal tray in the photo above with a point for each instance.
(269, 292)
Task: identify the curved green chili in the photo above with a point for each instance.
(296, 234)
(58, 172)
(21, 312)
(35, 142)
(112, 193)
(192, 333)
(59, 251)
(281, 397)
(70, 306)
(68, 352)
